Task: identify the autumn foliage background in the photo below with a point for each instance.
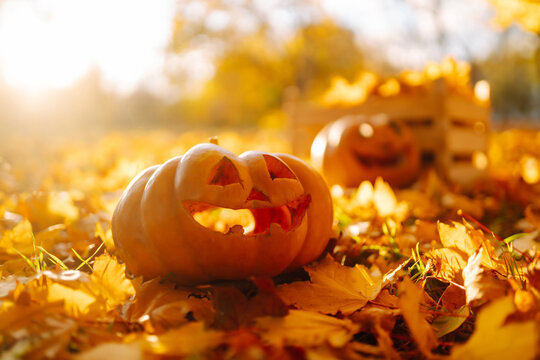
(430, 271)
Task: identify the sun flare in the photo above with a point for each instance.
(52, 45)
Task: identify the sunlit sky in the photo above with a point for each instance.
(49, 44)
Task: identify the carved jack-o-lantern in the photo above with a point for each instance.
(357, 148)
(156, 231)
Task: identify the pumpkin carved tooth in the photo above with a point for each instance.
(289, 223)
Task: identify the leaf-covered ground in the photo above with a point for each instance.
(432, 271)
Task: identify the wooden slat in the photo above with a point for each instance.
(466, 109)
(464, 174)
(410, 107)
(465, 140)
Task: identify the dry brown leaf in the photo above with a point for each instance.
(494, 340)
(332, 288)
(306, 329)
(234, 309)
(160, 303)
(380, 321)
(386, 299)
(453, 298)
(410, 299)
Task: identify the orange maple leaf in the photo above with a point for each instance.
(333, 287)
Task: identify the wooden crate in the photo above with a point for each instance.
(452, 129)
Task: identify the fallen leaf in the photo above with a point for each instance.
(306, 329)
(191, 339)
(386, 299)
(77, 302)
(467, 240)
(332, 288)
(160, 303)
(525, 301)
(445, 324)
(234, 309)
(18, 239)
(453, 298)
(384, 198)
(481, 285)
(410, 298)
(448, 263)
(244, 344)
(108, 281)
(7, 285)
(131, 351)
(494, 340)
(380, 321)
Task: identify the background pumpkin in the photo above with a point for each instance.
(357, 148)
(156, 233)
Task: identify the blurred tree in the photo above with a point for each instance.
(525, 12)
(250, 79)
(522, 87)
(513, 80)
(319, 51)
(252, 69)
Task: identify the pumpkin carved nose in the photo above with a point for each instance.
(256, 194)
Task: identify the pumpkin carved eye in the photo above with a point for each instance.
(224, 173)
(277, 168)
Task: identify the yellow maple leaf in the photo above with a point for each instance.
(409, 302)
(190, 339)
(77, 301)
(467, 240)
(109, 282)
(494, 340)
(333, 287)
(449, 264)
(306, 329)
(20, 238)
(130, 351)
(457, 236)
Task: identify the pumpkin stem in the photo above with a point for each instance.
(213, 140)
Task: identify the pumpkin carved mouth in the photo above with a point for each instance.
(252, 220)
(380, 161)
